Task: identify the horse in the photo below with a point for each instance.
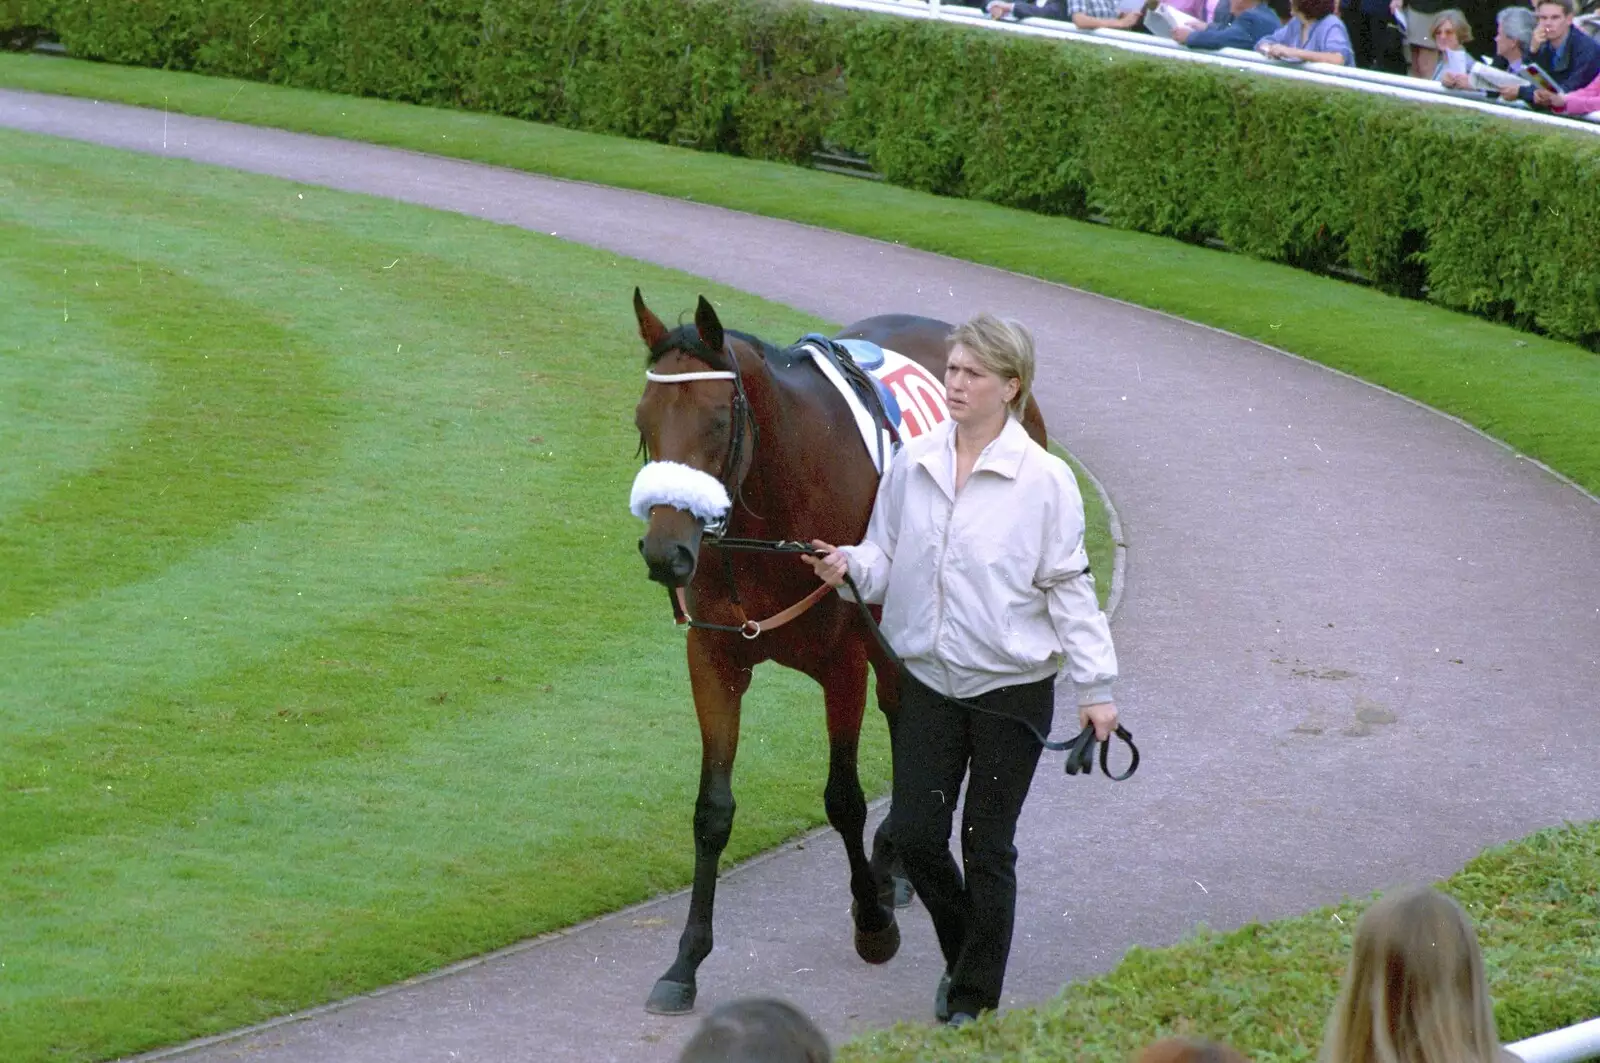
(753, 444)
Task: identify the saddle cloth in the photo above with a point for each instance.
(912, 397)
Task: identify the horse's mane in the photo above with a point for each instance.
(686, 338)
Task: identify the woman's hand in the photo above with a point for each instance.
(831, 566)
(1103, 716)
(1546, 98)
(1456, 81)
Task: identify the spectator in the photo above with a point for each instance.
(1417, 18)
(1188, 1050)
(1513, 41)
(1572, 59)
(1313, 34)
(1414, 991)
(1449, 38)
(757, 1030)
(1577, 102)
(1084, 14)
(1374, 36)
(977, 516)
(1239, 25)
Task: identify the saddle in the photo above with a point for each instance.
(852, 359)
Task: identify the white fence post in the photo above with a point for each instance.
(1569, 1045)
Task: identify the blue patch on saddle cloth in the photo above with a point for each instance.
(865, 353)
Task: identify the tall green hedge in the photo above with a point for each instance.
(1484, 215)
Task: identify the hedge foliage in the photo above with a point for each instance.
(1485, 215)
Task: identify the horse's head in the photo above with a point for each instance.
(694, 428)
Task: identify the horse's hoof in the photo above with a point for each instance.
(878, 946)
(903, 892)
(671, 998)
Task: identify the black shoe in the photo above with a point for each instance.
(959, 1019)
(941, 998)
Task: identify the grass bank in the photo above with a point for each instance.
(1536, 394)
(1267, 988)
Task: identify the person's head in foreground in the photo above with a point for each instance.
(757, 1030)
(1415, 990)
(1188, 1050)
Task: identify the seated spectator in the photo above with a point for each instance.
(757, 1028)
(1513, 42)
(1450, 36)
(1572, 59)
(1313, 34)
(1416, 16)
(1415, 990)
(1084, 14)
(1238, 25)
(1189, 1050)
(1577, 102)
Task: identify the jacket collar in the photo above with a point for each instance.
(1003, 456)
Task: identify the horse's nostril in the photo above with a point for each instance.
(682, 560)
(641, 545)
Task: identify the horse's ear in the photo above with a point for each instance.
(651, 330)
(706, 323)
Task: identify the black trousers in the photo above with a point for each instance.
(972, 906)
(1375, 41)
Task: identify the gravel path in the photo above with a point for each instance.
(1359, 640)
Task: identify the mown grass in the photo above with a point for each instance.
(1267, 988)
(1536, 394)
(326, 656)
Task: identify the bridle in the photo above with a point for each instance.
(714, 533)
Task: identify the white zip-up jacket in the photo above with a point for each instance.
(988, 588)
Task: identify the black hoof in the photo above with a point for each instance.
(671, 998)
(878, 946)
(903, 892)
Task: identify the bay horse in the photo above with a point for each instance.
(754, 443)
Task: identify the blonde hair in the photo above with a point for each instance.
(1415, 990)
(1004, 348)
(1456, 19)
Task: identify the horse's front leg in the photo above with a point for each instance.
(845, 692)
(719, 687)
(893, 883)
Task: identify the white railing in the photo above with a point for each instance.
(1570, 1045)
(1370, 81)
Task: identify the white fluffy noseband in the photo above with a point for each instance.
(670, 483)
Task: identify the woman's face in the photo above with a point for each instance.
(1446, 36)
(975, 395)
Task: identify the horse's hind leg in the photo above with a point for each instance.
(718, 690)
(845, 691)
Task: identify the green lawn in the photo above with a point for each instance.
(1536, 394)
(326, 656)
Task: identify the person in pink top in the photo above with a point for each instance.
(1579, 101)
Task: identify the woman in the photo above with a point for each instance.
(1313, 34)
(975, 549)
(1450, 36)
(1415, 990)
